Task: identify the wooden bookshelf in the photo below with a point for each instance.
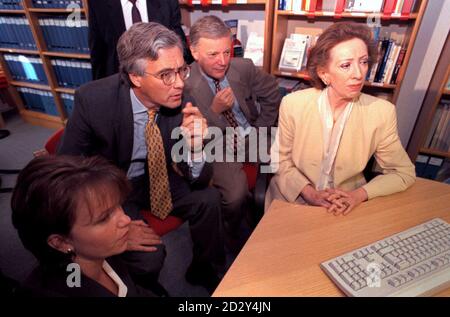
(32, 15)
(435, 93)
(285, 23)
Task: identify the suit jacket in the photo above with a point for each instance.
(106, 25)
(52, 283)
(102, 124)
(371, 129)
(250, 86)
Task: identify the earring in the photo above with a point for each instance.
(70, 251)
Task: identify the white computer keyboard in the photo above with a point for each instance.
(414, 262)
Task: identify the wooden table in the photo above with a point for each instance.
(283, 254)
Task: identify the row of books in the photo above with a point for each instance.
(38, 100)
(63, 35)
(11, 5)
(56, 3)
(68, 101)
(387, 7)
(26, 68)
(72, 73)
(439, 134)
(390, 59)
(428, 166)
(16, 33)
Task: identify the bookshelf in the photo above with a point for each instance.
(231, 10)
(403, 27)
(426, 122)
(56, 110)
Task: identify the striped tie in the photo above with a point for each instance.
(229, 116)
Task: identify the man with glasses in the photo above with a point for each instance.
(231, 93)
(129, 119)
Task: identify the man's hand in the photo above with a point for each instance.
(345, 201)
(314, 197)
(141, 237)
(223, 100)
(194, 127)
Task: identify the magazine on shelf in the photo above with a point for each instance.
(293, 53)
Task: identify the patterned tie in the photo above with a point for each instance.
(135, 15)
(229, 115)
(160, 198)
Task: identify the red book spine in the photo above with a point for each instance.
(312, 8)
(406, 9)
(389, 7)
(224, 3)
(204, 3)
(340, 4)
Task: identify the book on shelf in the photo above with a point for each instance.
(11, 5)
(294, 49)
(421, 164)
(16, 33)
(56, 4)
(439, 140)
(434, 124)
(433, 166)
(363, 6)
(254, 49)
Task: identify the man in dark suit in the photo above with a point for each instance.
(230, 93)
(113, 116)
(108, 19)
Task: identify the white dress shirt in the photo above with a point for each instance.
(126, 9)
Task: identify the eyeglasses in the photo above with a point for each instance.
(169, 76)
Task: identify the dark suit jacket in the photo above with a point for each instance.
(250, 86)
(106, 25)
(102, 124)
(45, 283)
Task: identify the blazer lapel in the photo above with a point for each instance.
(116, 15)
(234, 78)
(124, 125)
(203, 95)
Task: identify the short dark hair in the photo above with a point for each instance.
(319, 54)
(49, 193)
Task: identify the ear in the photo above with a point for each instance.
(60, 243)
(323, 75)
(194, 52)
(136, 80)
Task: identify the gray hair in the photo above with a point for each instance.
(142, 42)
(210, 27)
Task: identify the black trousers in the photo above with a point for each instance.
(201, 208)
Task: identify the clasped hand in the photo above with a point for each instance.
(141, 237)
(335, 200)
(194, 127)
(223, 100)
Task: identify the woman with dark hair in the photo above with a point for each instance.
(328, 133)
(67, 211)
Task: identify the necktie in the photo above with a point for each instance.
(160, 198)
(229, 115)
(135, 15)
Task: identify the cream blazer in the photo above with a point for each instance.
(371, 129)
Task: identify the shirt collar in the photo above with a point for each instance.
(136, 104)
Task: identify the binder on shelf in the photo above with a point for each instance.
(433, 167)
(406, 9)
(421, 164)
